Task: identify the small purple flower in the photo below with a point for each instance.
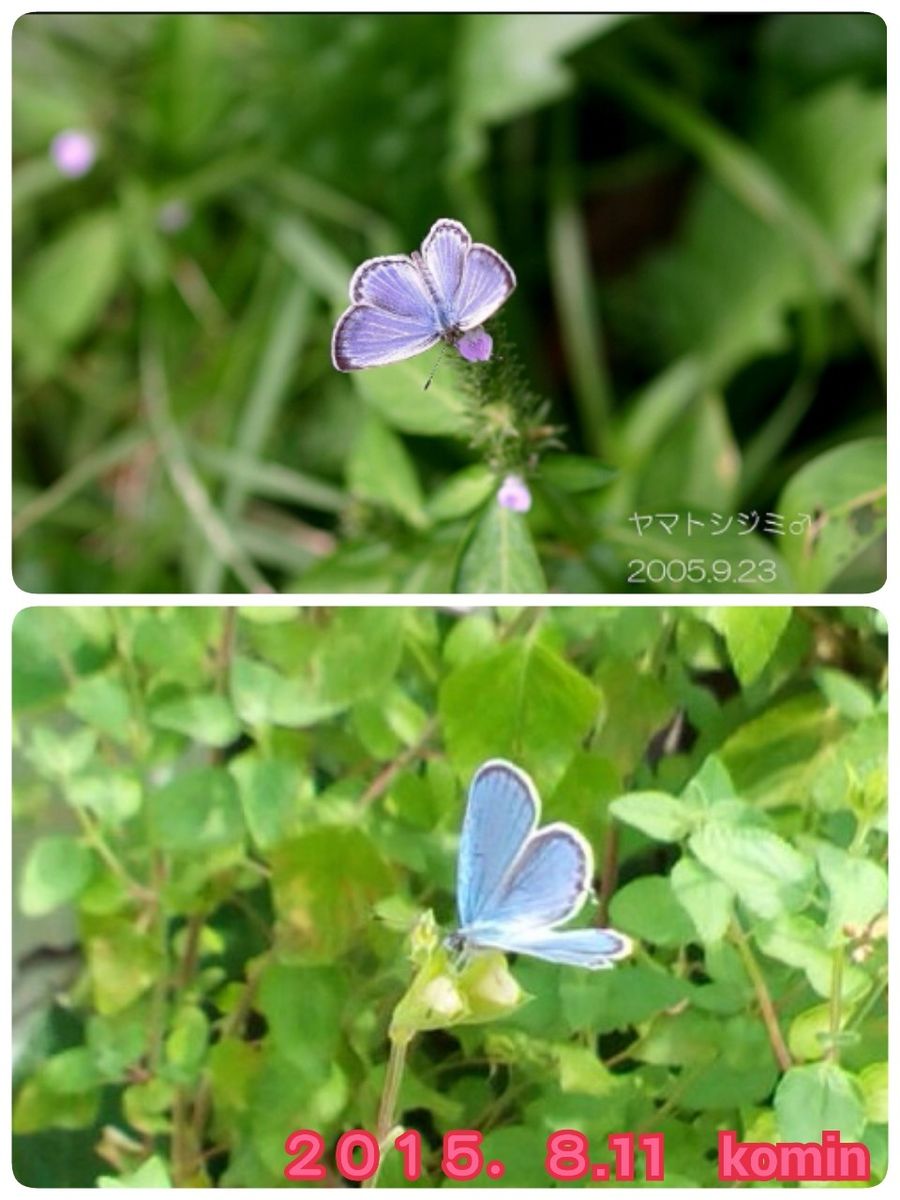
(73, 152)
(173, 216)
(514, 494)
(476, 345)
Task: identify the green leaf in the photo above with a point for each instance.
(66, 286)
(302, 1007)
(186, 1044)
(152, 1173)
(112, 796)
(123, 962)
(500, 555)
(509, 64)
(316, 922)
(811, 1099)
(58, 755)
(873, 1083)
(696, 459)
(208, 718)
(56, 871)
(800, 942)
(574, 473)
(646, 909)
(851, 698)
(272, 793)
(102, 701)
(380, 470)
(521, 702)
(396, 394)
(657, 814)
(858, 889)
(198, 810)
(843, 495)
(706, 899)
(765, 871)
(462, 493)
(751, 635)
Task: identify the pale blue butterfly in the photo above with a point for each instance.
(404, 304)
(516, 883)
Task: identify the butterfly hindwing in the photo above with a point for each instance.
(591, 948)
(373, 337)
(547, 884)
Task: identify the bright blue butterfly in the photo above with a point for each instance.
(516, 883)
(403, 304)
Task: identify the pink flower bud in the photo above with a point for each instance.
(476, 345)
(74, 152)
(514, 494)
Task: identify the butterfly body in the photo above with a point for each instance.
(404, 304)
(516, 884)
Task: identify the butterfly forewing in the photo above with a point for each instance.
(501, 813)
(546, 885)
(394, 283)
(591, 948)
(444, 252)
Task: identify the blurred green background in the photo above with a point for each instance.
(228, 820)
(694, 206)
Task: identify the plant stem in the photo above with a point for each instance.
(389, 1095)
(766, 1007)
(835, 1014)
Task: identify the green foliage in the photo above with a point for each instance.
(701, 291)
(251, 817)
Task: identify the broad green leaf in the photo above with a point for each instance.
(811, 1099)
(764, 870)
(123, 962)
(198, 810)
(273, 793)
(59, 754)
(857, 888)
(800, 942)
(646, 908)
(103, 702)
(302, 1007)
(113, 796)
(657, 814)
(500, 555)
(751, 635)
(509, 64)
(152, 1173)
(873, 1083)
(705, 897)
(574, 473)
(208, 718)
(396, 394)
(462, 493)
(55, 872)
(66, 286)
(380, 470)
(834, 508)
(186, 1044)
(315, 921)
(522, 702)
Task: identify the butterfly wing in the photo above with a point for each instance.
(444, 251)
(501, 813)
(487, 281)
(392, 316)
(547, 884)
(591, 948)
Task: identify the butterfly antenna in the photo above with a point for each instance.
(435, 367)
